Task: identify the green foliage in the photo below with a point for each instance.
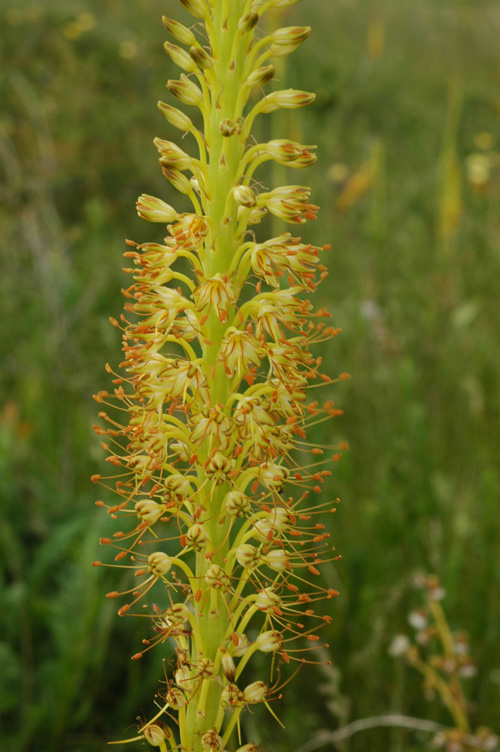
(407, 98)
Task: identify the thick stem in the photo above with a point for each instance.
(225, 155)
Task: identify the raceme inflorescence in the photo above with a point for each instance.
(218, 487)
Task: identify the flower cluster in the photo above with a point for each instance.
(219, 519)
(442, 657)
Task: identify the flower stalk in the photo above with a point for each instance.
(219, 521)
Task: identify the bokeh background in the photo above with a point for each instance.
(407, 123)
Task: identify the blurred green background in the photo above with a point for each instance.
(407, 122)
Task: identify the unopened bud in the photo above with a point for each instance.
(154, 734)
(277, 560)
(267, 600)
(149, 511)
(186, 91)
(159, 563)
(248, 556)
(154, 209)
(201, 57)
(290, 35)
(244, 196)
(197, 8)
(237, 504)
(255, 692)
(172, 156)
(248, 22)
(269, 642)
(287, 99)
(216, 577)
(175, 117)
(180, 57)
(219, 467)
(260, 76)
(228, 666)
(179, 32)
(177, 613)
(196, 537)
(178, 180)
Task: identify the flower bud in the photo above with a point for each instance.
(159, 563)
(287, 99)
(172, 156)
(255, 692)
(154, 734)
(184, 679)
(196, 537)
(187, 91)
(289, 35)
(177, 485)
(154, 209)
(197, 8)
(216, 577)
(201, 57)
(177, 614)
(277, 560)
(178, 180)
(179, 32)
(241, 648)
(248, 22)
(248, 556)
(260, 76)
(267, 600)
(180, 57)
(175, 117)
(273, 476)
(149, 511)
(219, 468)
(244, 196)
(227, 664)
(237, 504)
(269, 642)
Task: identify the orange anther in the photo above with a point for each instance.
(313, 570)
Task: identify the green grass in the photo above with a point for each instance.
(404, 89)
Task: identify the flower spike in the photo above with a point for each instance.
(220, 523)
